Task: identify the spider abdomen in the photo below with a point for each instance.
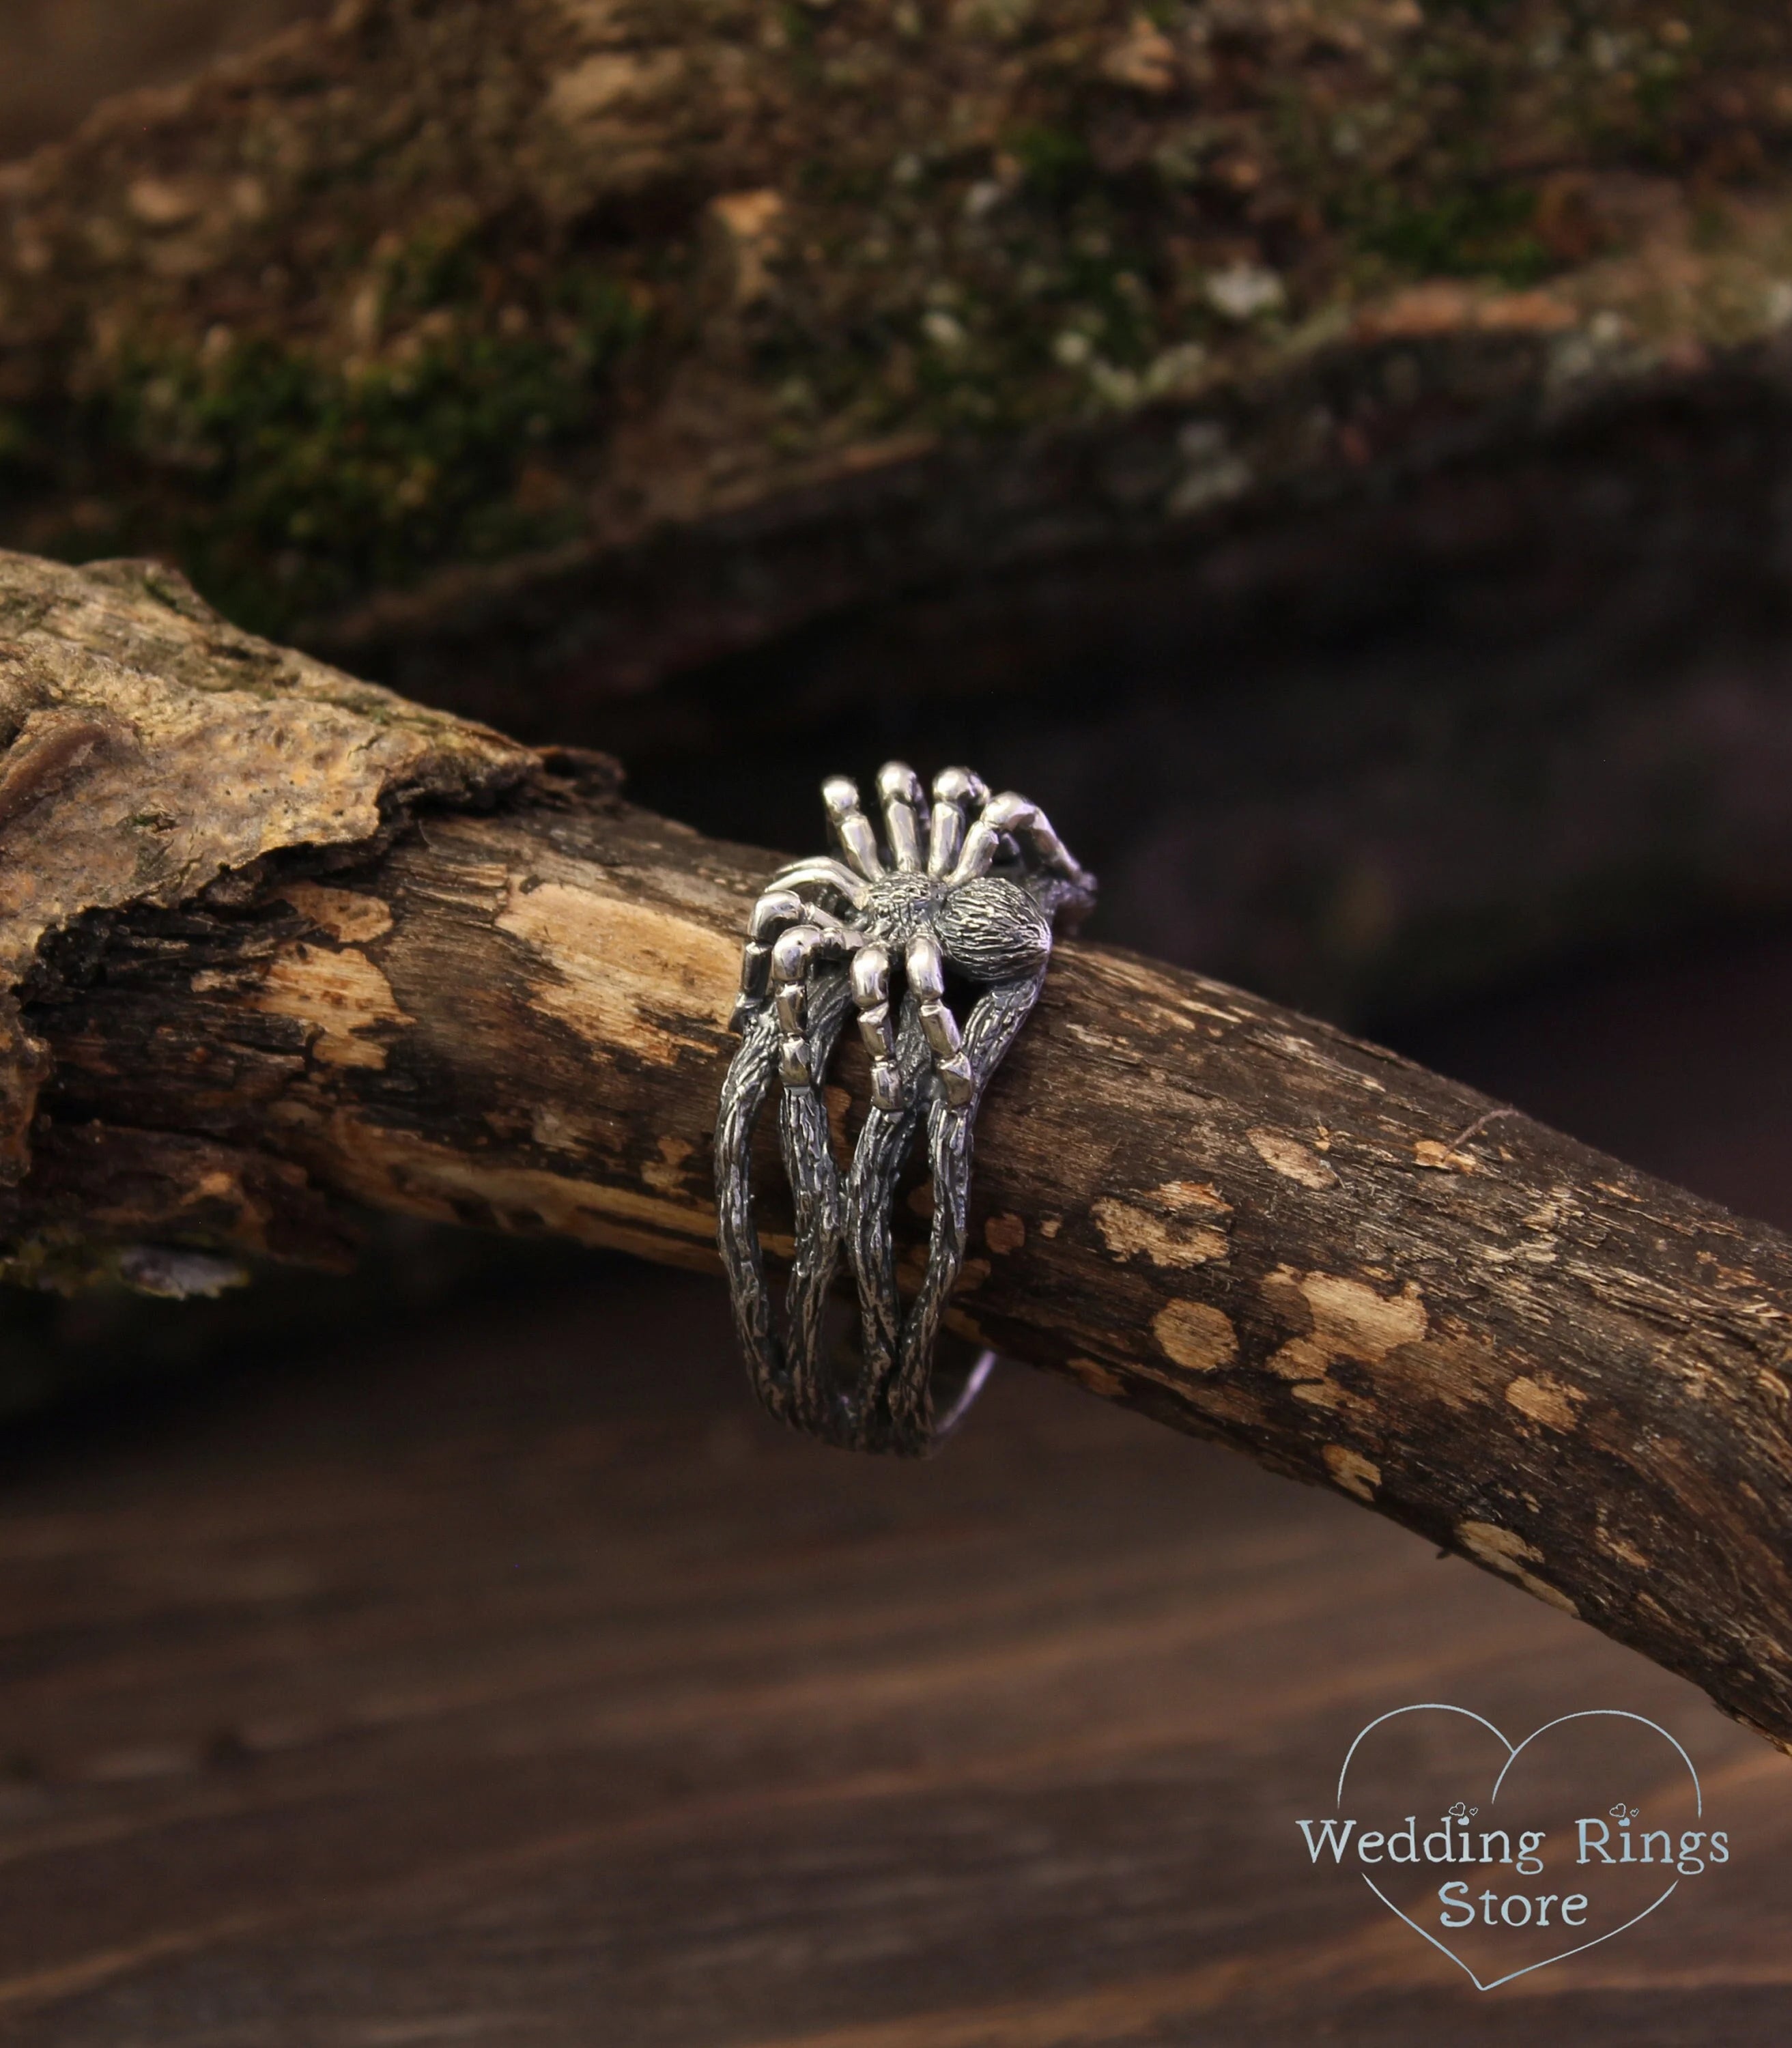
(992, 930)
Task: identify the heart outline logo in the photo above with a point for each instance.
(1513, 1751)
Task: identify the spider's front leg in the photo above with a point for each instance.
(871, 993)
(1020, 822)
(905, 815)
(775, 912)
(781, 906)
(852, 828)
(955, 791)
(927, 982)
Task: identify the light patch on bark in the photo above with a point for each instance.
(1626, 1554)
(1180, 1224)
(1292, 1159)
(1004, 1234)
(1195, 1335)
(1350, 1320)
(1504, 1552)
(1438, 1159)
(746, 228)
(1319, 1394)
(344, 913)
(397, 1169)
(337, 995)
(1097, 1378)
(666, 1172)
(1306, 1053)
(626, 975)
(553, 1132)
(1544, 1398)
(160, 202)
(1351, 1470)
(613, 81)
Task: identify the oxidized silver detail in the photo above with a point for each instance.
(961, 898)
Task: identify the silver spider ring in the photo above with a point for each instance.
(938, 942)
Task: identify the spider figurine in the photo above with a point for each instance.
(970, 886)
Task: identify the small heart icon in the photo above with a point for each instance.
(1509, 1856)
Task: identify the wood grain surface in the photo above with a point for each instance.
(284, 943)
(518, 1686)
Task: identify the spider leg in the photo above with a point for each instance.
(954, 790)
(852, 828)
(808, 1160)
(870, 994)
(820, 874)
(775, 912)
(791, 960)
(905, 814)
(927, 982)
(1019, 820)
(885, 1139)
(776, 909)
(927, 1035)
(744, 1089)
(810, 997)
(1010, 824)
(906, 1397)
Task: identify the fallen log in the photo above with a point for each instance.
(282, 945)
(1355, 390)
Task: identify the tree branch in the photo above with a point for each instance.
(1241, 1223)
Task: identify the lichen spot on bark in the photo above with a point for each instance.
(1351, 1470)
(344, 914)
(338, 995)
(1096, 1378)
(1346, 1318)
(1506, 1553)
(1004, 1233)
(1293, 1160)
(623, 975)
(1545, 1400)
(1180, 1224)
(1195, 1335)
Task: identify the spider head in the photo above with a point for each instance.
(899, 905)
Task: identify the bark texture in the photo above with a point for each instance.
(1192, 1201)
(1296, 373)
(151, 748)
(488, 301)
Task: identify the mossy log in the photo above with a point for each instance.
(1329, 400)
(416, 294)
(280, 943)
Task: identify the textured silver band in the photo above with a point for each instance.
(961, 899)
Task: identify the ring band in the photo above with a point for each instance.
(962, 898)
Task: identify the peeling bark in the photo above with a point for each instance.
(152, 748)
(1192, 1201)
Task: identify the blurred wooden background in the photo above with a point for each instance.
(508, 1680)
(59, 57)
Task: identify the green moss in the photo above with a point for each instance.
(1474, 232)
(1057, 162)
(293, 482)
